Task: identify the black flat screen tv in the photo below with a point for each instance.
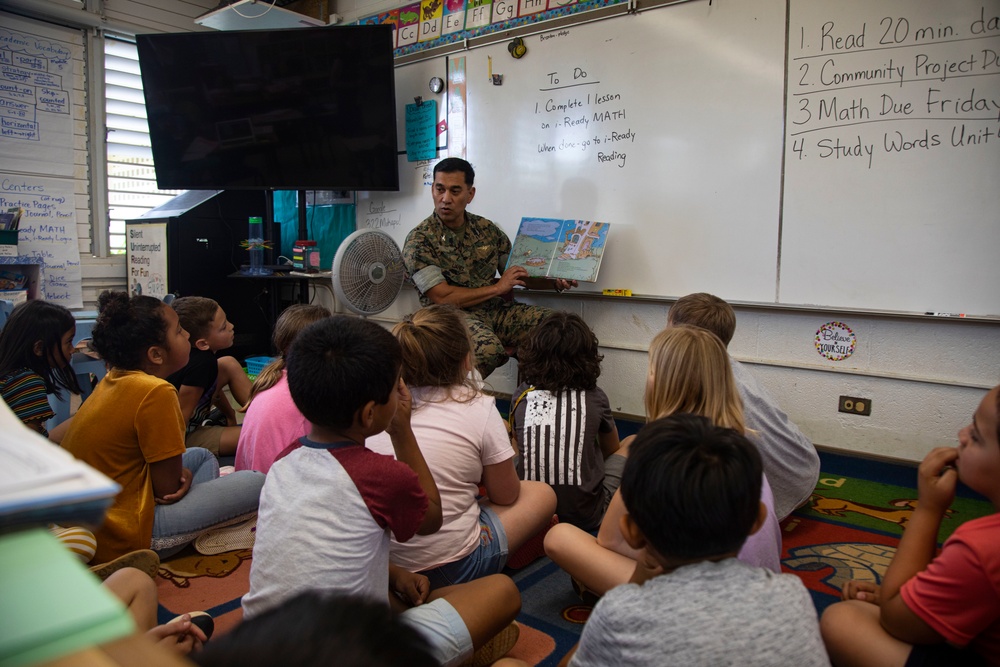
(298, 109)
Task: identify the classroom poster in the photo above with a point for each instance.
(146, 258)
(408, 28)
(529, 7)
(835, 341)
(36, 106)
(48, 232)
(421, 131)
(453, 19)
(385, 18)
(478, 13)
(458, 138)
(430, 20)
(504, 10)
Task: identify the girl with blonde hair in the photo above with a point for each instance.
(688, 373)
(272, 422)
(463, 439)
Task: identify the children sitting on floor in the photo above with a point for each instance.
(562, 420)
(688, 372)
(791, 463)
(934, 610)
(131, 429)
(691, 491)
(271, 421)
(465, 443)
(329, 504)
(201, 382)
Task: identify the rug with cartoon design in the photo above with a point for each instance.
(848, 529)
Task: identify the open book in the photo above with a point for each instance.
(42, 483)
(568, 249)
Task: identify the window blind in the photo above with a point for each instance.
(132, 187)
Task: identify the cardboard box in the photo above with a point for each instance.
(8, 243)
(15, 295)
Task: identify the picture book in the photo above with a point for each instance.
(568, 249)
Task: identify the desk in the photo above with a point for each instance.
(299, 283)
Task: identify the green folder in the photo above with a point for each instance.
(50, 604)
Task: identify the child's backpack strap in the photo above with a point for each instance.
(513, 406)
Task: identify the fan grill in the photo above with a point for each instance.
(368, 271)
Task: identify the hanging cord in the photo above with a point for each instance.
(255, 16)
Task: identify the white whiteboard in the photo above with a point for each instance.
(914, 228)
(714, 194)
(695, 206)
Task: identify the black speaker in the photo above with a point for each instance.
(204, 231)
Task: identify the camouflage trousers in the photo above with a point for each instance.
(497, 327)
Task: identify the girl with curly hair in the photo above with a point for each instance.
(131, 429)
(562, 420)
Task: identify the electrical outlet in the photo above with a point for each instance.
(855, 406)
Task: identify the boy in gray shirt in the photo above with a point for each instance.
(692, 491)
(790, 460)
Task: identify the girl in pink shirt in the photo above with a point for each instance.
(272, 422)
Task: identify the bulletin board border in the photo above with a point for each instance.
(547, 21)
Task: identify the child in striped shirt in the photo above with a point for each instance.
(562, 420)
(36, 345)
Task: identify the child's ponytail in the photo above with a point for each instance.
(436, 343)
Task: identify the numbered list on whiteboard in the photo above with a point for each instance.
(871, 87)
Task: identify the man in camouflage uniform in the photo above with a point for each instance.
(454, 257)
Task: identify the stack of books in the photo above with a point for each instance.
(11, 218)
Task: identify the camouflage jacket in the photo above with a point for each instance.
(470, 257)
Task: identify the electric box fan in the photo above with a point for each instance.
(368, 271)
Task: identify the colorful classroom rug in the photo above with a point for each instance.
(849, 529)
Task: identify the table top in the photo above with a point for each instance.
(285, 275)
